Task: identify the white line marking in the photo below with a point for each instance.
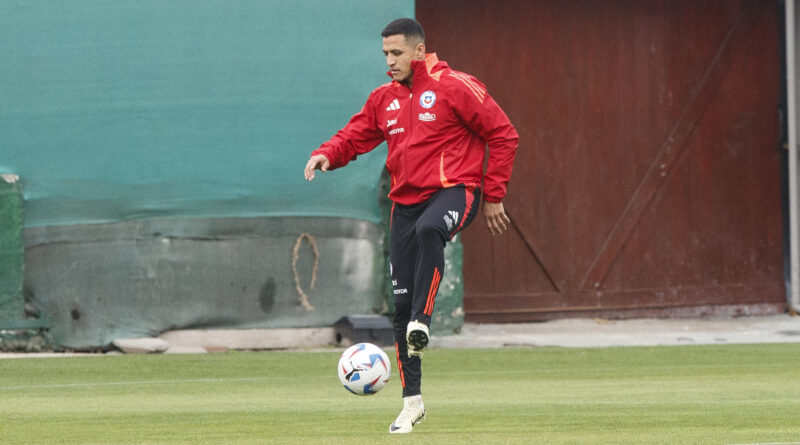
(766, 443)
(132, 383)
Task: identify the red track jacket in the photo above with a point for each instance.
(437, 132)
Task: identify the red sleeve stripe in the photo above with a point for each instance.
(476, 89)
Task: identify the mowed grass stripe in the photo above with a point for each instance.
(328, 377)
(678, 394)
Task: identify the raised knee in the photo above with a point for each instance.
(429, 231)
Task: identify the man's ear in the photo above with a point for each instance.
(419, 51)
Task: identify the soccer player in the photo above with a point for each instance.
(437, 123)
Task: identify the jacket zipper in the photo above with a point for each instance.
(411, 115)
(410, 131)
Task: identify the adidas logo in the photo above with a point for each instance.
(451, 219)
(395, 105)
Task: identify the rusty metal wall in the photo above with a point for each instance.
(647, 181)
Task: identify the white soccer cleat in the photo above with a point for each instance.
(417, 338)
(413, 412)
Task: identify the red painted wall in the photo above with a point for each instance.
(647, 180)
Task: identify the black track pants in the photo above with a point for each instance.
(419, 234)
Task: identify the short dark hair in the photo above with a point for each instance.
(406, 27)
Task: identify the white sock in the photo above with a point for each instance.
(412, 399)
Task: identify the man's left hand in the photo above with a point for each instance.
(496, 218)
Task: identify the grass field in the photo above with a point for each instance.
(733, 394)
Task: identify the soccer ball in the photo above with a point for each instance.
(364, 369)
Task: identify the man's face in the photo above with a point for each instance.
(399, 54)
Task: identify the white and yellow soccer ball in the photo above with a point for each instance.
(364, 369)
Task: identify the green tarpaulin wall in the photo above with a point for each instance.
(160, 145)
(115, 111)
(11, 250)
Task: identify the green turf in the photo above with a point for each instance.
(670, 395)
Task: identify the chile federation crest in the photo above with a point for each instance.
(427, 99)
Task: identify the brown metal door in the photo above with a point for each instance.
(647, 181)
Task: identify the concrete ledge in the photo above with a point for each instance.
(5, 355)
(641, 332)
(141, 345)
(561, 333)
(254, 339)
(185, 350)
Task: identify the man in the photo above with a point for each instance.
(437, 123)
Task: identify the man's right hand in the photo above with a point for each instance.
(496, 218)
(316, 162)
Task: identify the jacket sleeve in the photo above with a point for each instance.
(359, 136)
(483, 115)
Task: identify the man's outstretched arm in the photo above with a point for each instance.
(359, 136)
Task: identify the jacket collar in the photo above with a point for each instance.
(430, 68)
